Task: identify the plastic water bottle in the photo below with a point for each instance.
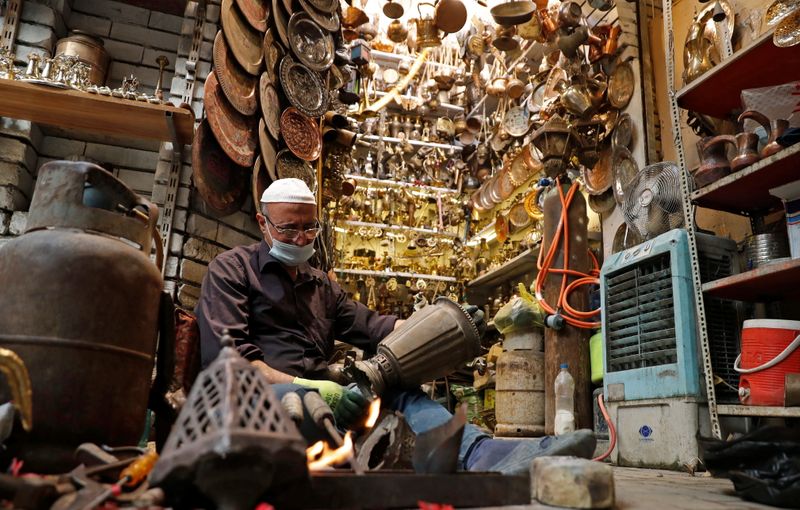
(565, 402)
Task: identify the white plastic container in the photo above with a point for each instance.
(565, 402)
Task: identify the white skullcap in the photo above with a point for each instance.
(290, 190)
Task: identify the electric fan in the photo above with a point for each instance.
(652, 202)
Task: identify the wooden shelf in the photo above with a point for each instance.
(771, 282)
(761, 64)
(415, 143)
(772, 412)
(73, 109)
(523, 263)
(747, 191)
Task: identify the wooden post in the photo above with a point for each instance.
(569, 345)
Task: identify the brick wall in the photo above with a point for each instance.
(134, 38)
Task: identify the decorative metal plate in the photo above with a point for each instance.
(518, 216)
(235, 133)
(620, 85)
(273, 53)
(270, 107)
(325, 5)
(623, 132)
(516, 121)
(598, 179)
(624, 170)
(280, 22)
(244, 41)
(304, 88)
(288, 165)
(268, 151)
(239, 87)
(259, 182)
(327, 20)
(221, 183)
(255, 12)
(301, 134)
(310, 43)
(788, 31)
(603, 203)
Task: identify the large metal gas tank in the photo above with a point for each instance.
(80, 300)
(519, 397)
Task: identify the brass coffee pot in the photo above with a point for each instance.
(427, 31)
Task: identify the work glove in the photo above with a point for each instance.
(478, 317)
(349, 407)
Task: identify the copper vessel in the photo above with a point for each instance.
(714, 163)
(774, 128)
(747, 151)
(89, 50)
(235, 133)
(239, 86)
(81, 309)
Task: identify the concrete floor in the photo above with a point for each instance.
(653, 489)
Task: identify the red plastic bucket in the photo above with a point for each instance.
(770, 350)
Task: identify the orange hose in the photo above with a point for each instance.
(572, 316)
(612, 431)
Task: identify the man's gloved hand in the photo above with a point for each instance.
(348, 406)
(478, 318)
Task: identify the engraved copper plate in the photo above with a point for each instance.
(303, 87)
(506, 187)
(243, 40)
(327, 20)
(301, 134)
(598, 179)
(281, 22)
(270, 107)
(259, 182)
(273, 53)
(221, 183)
(255, 12)
(289, 165)
(268, 151)
(620, 85)
(239, 87)
(310, 43)
(235, 133)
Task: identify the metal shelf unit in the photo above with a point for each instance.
(717, 93)
(397, 274)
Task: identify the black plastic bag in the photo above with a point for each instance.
(763, 465)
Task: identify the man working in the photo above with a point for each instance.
(284, 316)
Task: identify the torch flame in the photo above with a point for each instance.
(320, 456)
(374, 412)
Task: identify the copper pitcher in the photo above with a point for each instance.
(774, 128)
(714, 163)
(747, 150)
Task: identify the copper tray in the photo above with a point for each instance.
(505, 186)
(255, 12)
(270, 107)
(259, 182)
(327, 20)
(235, 133)
(598, 179)
(288, 165)
(238, 86)
(301, 134)
(310, 43)
(620, 85)
(221, 183)
(273, 53)
(244, 41)
(280, 22)
(268, 151)
(304, 88)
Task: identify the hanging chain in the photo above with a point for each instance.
(688, 218)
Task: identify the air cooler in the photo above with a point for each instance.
(653, 370)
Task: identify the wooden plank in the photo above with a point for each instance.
(82, 111)
(761, 64)
(775, 281)
(523, 263)
(747, 191)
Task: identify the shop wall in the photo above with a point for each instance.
(134, 38)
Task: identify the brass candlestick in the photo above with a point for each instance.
(162, 62)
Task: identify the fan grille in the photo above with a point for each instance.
(652, 203)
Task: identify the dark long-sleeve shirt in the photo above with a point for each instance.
(290, 325)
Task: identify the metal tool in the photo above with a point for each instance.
(322, 415)
(293, 405)
(162, 62)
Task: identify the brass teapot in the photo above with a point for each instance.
(427, 31)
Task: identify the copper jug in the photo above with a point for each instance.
(747, 150)
(774, 128)
(427, 31)
(699, 53)
(714, 163)
(396, 32)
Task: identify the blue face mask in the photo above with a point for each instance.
(290, 254)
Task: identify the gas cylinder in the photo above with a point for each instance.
(80, 306)
(519, 387)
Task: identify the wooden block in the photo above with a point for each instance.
(572, 482)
